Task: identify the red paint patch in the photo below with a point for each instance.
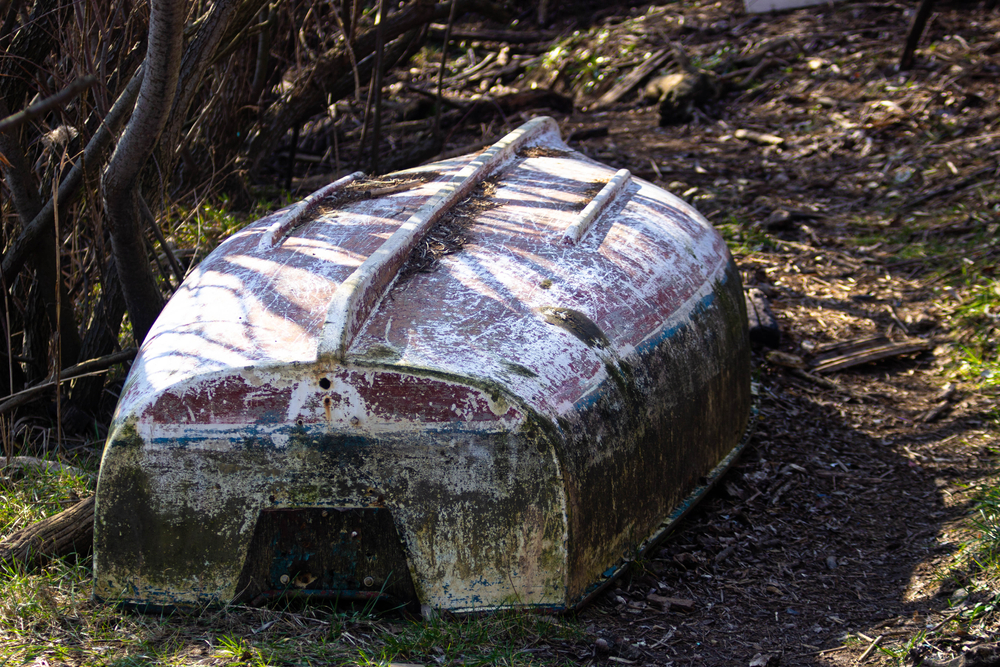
(393, 396)
(228, 400)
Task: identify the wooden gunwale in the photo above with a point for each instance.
(302, 211)
(583, 222)
(356, 298)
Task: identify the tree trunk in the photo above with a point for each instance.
(93, 156)
(197, 58)
(159, 86)
(17, 173)
(59, 535)
(142, 295)
(37, 335)
(916, 30)
(101, 338)
(32, 44)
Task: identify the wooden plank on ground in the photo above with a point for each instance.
(828, 350)
(60, 534)
(862, 351)
(631, 80)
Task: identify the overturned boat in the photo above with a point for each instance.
(487, 382)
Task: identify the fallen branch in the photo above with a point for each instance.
(464, 75)
(25, 462)
(950, 617)
(768, 46)
(862, 351)
(49, 103)
(437, 30)
(454, 102)
(79, 370)
(868, 651)
(319, 83)
(971, 179)
(833, 650)
(758, 69)
(816, 379)
(631, 80)
(759, 137)
(71, 530)
(324, 80)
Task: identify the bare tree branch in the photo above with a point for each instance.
(317, 82)
(93, 156)
(16, 172)
(32, 43)
(52, 290)
(197, 59)
(88, 367)
(49, 103)
(159, 87)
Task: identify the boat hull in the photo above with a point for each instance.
(506, 428)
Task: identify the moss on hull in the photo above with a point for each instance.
(636, 447)
(479, 514)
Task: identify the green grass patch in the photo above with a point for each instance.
(207, 225)
(744, 239)
(975, 322)
(30, 494)
(900, 653)
(978, 318)
(198, 229)
(500, 638)
(51, 615)
(986, 548)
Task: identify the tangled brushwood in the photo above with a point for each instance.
(114, 112)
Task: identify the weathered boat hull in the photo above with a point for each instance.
(319, 412)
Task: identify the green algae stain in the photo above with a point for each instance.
(518, 369)
(577, 324)
(383, 353)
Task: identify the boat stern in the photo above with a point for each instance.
(381, 484)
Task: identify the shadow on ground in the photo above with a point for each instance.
(816, 533)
